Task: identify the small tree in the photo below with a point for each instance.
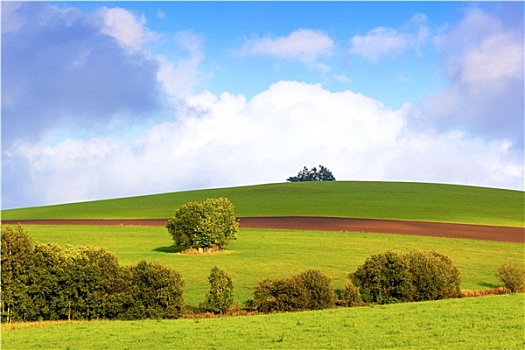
(350, 295)
(286, 294)
(220, 291)
(323, 174)
(207, 225)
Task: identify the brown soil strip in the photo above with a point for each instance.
(417, 228)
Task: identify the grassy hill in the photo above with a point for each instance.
(357, 199)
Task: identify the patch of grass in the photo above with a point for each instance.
(473, 323)
(357, 199)
(260, 253)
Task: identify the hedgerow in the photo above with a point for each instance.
(46, 282)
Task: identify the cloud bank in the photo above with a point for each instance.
(227, 140)
(94, 113)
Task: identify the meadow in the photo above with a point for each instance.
(352, 199)
(466, 323)
(494, 322)
(259, 253)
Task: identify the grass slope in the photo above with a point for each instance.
(494, 322)
(262, 253)
(386, 200)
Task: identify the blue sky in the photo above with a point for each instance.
(109, 99)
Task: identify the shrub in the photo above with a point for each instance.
(157, 291)
(208, 224)
(393, 277)
(512, 277)
(220, 291)
(287, 294)
(350, 295)
(384, 278)
(434, 276)
(321, 294)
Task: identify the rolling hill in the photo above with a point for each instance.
(349, 199)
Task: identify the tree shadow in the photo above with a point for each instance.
(489, 285)
(171, 249)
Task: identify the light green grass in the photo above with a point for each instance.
(494, 322)
(386, 200)
(260, 253)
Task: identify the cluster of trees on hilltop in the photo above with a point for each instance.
(314, 174)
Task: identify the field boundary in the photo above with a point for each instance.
(416, 228)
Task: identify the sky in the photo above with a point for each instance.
(114, 99)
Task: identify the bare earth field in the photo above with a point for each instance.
(418, 228)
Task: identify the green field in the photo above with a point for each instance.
(467, 323)
(494, 322)
(260, 253)
(386, 200)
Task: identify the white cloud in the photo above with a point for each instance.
(228, 140)
(122, 25)
(304, 45)
(381, 41)
(484, 61)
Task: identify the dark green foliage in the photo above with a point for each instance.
(384, 278)
(434, 276)
(50, 283)
(208, 224)
(512, 276)
(287, 294)
(350, 295)
(16, 257)
(323, 174)
(392, 277)
(157, 291)
(220, 291)
(320, 291)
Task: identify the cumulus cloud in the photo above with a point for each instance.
(61, 69)
(230, 140)
(383, 41)
(303, 45)
(484, 61)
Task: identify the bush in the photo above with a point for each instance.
(512, 277)
(157, 291)
(392, 277)
(434, 276)
(220, 291)
(208, 224)
(350, 295)
(287, 294)
(321, 294)
(384, 278)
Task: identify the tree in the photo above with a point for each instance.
(16, 258)
(220, 291)
(323, 174)
(207, 225)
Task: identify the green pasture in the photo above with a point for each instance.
(260, 253)
(357, 199)
(494, 322)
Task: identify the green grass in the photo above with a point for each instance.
(494, 322)
(260, 253)
(387, 200)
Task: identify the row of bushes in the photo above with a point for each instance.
(384, 278)
(46, 282)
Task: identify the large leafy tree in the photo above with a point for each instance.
(314, 174)
(207, 225)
